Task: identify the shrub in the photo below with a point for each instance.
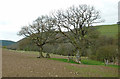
(107, 52)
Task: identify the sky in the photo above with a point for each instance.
(14, 14)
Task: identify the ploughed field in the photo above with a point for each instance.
(15, 64)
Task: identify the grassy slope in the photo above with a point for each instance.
(108, 30)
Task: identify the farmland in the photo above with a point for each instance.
(19, 64)
(67, 42)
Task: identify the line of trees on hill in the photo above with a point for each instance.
(69, 32)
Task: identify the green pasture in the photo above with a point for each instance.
(108, 30)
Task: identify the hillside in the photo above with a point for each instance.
(108, 30)
(6, 42)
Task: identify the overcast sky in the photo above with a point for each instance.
(17, 13)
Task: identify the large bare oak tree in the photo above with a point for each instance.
(77, 21)
(41, 32)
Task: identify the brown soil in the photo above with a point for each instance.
(27, 65)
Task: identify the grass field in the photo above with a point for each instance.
(108, 30)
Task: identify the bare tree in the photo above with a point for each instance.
(41, 32)
(77, 21)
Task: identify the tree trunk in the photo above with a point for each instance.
(106, 61)
(78, 57)
(47, 55)
(40, 53)
(70, 58)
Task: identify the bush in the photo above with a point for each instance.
(93, 57)
(4, 47)
(107, 52)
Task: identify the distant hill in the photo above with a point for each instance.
(16, 45)
(6, 42)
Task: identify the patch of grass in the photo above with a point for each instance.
(35, 53)
(115, 66)
(91, 62)
(25, 52)
(85, 61)
(64, 60)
